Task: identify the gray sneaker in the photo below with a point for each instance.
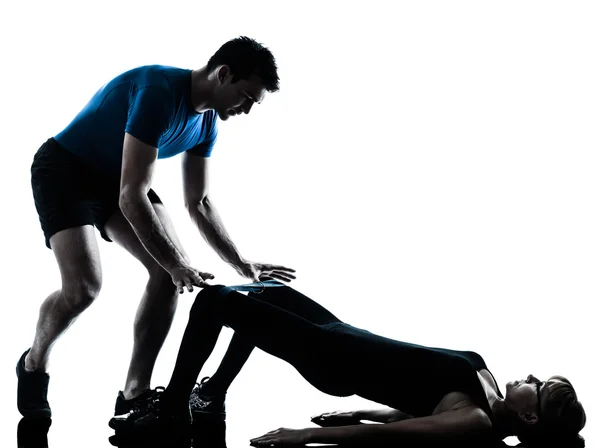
(203, 407)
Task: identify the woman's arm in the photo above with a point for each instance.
(465, 422)
(346, 418)
(381, 415)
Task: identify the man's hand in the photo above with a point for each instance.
(183, 275)
(282, 437)
(337, 418)
(260, 271)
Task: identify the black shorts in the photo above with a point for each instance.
(68, 193)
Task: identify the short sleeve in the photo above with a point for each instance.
(150, 114)
(204, 149)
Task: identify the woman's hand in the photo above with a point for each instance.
(336, 418)
(283, 436)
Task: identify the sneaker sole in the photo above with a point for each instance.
(203, 415)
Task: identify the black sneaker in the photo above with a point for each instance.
(123, 406)
(203, 407)
(32, 391)
(149, 416)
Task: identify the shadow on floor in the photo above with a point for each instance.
(33, 432)
(208, 433)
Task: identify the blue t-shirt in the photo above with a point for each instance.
(152, 103)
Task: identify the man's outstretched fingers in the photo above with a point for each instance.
(283, 271)
(281, 268)
(198, 280)
(279, 276)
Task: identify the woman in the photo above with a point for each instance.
(434, 393)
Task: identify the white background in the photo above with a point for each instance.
(429, 169)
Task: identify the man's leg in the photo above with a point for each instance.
(78, 257)
(59, 183)
(76, 251)
(158, 304)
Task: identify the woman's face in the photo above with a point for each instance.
(526, 397)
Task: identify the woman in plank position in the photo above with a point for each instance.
(434, 394)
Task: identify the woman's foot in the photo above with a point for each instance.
(203, 404)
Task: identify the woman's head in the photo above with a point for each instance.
(545, 409)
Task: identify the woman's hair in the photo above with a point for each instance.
(562, 418)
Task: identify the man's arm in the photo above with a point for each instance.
(204, 214)
(449, 425)
(136, 175)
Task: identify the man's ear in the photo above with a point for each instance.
(223, 73)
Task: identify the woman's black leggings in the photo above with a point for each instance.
(280, 321)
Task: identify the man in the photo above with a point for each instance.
(98, 172)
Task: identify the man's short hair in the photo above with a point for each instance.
(246, 57)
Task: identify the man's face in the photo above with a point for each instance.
(239, 97)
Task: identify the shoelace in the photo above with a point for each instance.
(197, 397)
(198, 386)
(148, 405)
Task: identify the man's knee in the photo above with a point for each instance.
(80, 294)
(78, 258)
(160, 283)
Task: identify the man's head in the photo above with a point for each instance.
(244, 71)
